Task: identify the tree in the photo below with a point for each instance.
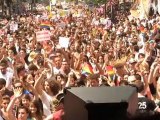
(100, 2)
(6, 7)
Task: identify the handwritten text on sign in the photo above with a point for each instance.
(42, 35)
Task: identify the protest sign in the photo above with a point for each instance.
(64, 42)
(42, 35)
(13, 26)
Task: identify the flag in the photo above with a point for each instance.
(87, 69)
(45, 24)
(110, 70)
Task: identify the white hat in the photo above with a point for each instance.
(131, 78)
(32, 56)
(10, 39)
(132, 60)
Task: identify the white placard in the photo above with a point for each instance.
(13, 27)
(43, 35)
(64, 42)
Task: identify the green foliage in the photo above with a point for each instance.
(96, 2)
(99, 2)
(70, 0)
(93, 2)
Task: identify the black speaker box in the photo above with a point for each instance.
(100, 103)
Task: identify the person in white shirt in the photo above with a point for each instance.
(47, 91)
(6, 74)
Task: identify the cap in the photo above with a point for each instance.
(132, 61)
(131, 79)
(32, 56)
(52, 55)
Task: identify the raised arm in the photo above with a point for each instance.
(38, 82)
(17, 94)
(78, 63)
(69, 79)
(152, 73)
(50, 66)
(30, 88)
(155, 74)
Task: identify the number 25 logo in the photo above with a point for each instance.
(142, 105)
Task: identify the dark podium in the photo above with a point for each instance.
(100, 103)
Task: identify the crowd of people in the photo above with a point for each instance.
(33, 74)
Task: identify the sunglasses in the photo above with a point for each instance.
(18, 87)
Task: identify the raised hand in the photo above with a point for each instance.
(17, 92)
(44, 73)
(70, 75)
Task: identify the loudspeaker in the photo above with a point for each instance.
(100, 103)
